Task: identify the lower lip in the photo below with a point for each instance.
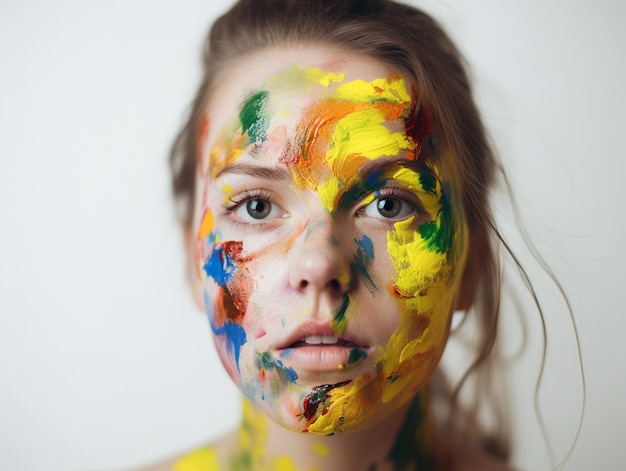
(323, 358)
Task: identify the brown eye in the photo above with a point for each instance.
(389, 207)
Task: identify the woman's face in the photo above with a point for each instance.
(328, 246)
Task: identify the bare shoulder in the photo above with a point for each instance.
(210, 457)
(469, 458)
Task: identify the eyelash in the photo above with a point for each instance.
(400, 194)
(245, 196)
(239, 199)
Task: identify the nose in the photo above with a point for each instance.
(319, 263)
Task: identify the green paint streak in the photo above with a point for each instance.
(408, 451)
(340, 323)
(265, 361)
(311, 227)
(439, 234)
(252, 119)
(241, 460)
(428, 182)
(356, 355)
(359, 266)
(358, 191)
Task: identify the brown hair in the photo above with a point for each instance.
(412, 42)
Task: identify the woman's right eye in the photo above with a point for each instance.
(254, 210)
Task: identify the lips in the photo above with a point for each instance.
(314, 346)
(322, 341)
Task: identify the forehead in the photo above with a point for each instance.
(251, 73)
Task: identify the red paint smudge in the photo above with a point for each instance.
(234, 296)
(396, 292)
(418, 125)
(317, 399)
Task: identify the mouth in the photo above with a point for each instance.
(315, 348)
(323, 341)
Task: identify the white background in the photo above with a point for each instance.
(104, 361)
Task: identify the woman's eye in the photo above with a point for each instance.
(258, 209)
(388, 208)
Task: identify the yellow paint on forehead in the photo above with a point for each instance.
(303, 79)
(224, 152)
(392, 90)
(350, 125)
(343, 125)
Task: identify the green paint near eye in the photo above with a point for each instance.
(439, 234)
(428, 182)
(252, 119)
(340, 323)
(355, 192)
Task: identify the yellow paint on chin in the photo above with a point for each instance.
(348, 406)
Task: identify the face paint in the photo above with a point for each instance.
(322, 170)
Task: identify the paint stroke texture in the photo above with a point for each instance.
(342, 127)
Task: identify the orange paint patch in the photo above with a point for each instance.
(206, 226)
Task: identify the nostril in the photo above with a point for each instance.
(303, 284)
(334, 284)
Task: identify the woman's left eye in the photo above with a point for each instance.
(258, 209)
(388, 208)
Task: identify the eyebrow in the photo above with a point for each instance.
(372, 179)
(274, 174)
(375, 169)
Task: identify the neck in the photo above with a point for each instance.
(407, 439)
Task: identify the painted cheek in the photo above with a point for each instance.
(227, 290)
(425, 261)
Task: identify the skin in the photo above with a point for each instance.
(318, 212)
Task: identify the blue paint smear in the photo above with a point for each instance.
(220, 266)
(286, 353)
(373, 179)
(367, 245)
(267, 362)
(235, 334)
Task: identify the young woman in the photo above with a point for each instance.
(334, 178)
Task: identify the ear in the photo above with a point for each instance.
(191, 268)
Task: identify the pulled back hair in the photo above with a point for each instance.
(410, 41)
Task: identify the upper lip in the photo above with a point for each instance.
(320, 329)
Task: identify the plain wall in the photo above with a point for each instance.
(105, 363)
